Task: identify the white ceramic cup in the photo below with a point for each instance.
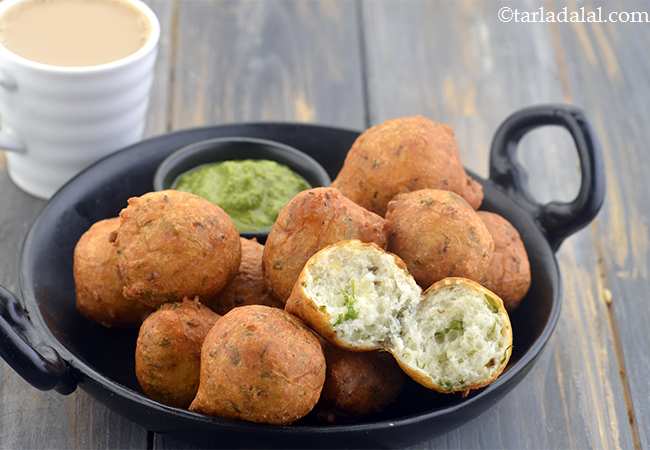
(58, 120)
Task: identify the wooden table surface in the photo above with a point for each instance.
(354, 63)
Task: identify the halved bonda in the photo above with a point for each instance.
(454, 337)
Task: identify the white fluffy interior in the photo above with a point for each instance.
(364, 293)
(456, 337)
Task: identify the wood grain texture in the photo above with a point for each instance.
(256, 60)
(303, 60)
(157, 118)
(608, 69)
(456, 63)
(30, 419)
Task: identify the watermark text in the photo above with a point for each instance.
(582, 14)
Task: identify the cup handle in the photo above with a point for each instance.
(8, 139)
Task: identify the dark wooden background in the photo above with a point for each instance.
(354, 63)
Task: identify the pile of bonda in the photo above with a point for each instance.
(402, 189)
(167, 248)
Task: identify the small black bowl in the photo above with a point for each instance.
(238, 148)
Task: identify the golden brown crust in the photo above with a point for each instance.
(422, 378)
(312, 220)
(168, 351)
(248, 287)
(438, 235)
(359, 383)
(98, 282)
(174, 244)
(260, 364)
(404, 155)
(301, 305)
(508, 274)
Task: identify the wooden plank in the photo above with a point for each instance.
(608, 69)
(254, 60)
(31, 419)
(457, 64)
(158, 120)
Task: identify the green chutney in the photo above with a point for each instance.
(252, 192)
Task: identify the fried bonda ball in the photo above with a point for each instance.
(359, 383)
(248, 287)
(98, 282)
(168, 351)
(173, 245)
(312, 220)
(455, 336)
(404, 155)
(260, 364)
(508, 275)
(438, 235)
